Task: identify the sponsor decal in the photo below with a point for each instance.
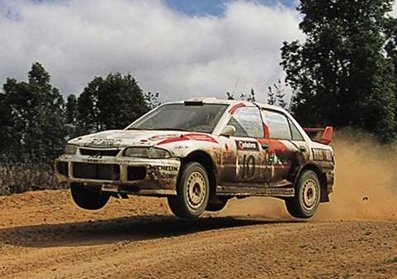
(167, 169)
(104, 142)
(248, 166)
(247, 145)
(320, 154)
(166, 172)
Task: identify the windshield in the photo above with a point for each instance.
(195, 118)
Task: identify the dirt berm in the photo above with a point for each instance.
(44, 235)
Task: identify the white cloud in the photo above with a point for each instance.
(167, 52)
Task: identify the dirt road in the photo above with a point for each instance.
(44, 235)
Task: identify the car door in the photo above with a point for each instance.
(287, 148)
(245, 160)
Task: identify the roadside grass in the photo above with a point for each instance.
(22, 177)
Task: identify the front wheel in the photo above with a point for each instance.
(192, 192)
(307, 196)
(86, 198)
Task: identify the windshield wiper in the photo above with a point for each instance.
(135, 128)
(158, 129)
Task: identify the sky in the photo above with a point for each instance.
(179, 48)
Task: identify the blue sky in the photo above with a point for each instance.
(216, 7)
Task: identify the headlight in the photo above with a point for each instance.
(147, 152)
(70, 149)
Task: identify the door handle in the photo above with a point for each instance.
(265, 146)
(302, 149)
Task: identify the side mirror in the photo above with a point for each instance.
(228, 131)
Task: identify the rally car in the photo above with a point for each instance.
(200, 153)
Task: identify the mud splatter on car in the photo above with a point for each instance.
(200, 153)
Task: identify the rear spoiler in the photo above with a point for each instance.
(326, 137)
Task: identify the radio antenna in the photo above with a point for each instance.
(235, 85)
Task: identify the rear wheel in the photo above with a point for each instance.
(192, 192)
(307, 196)
(86, 198)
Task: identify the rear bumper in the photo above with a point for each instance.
(139, 176)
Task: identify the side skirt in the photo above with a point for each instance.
(281, 192)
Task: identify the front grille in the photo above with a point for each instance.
(99, 152)
(96, 171)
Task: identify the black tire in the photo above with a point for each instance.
(307, 196)
(88, 199)
(192, 192)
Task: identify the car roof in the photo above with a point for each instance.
(213, 100)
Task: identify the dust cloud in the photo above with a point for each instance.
(365, 185)
(366, 180)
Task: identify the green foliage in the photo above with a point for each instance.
(230, 96)
(152, 100)
(340, 74)
(248, 97)
(33, 120)
(36, 123)
(111, 103)
(71, 109)
(276, 95)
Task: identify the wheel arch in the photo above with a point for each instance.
(207, 162)
(321, 176)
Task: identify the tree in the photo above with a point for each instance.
(229, 96)
(391, 50)
(271, 99)
(152, 100)
(248, 97)
(340, 74)
(276, 95)
(71, 109)
(111, 103)
(34, 119)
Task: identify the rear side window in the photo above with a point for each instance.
(248, 122)
(296, 135)
(278, 125)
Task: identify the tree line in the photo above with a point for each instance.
(36, 121)
(345, 72)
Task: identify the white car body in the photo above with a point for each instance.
(235, 165)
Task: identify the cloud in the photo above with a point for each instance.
(169, 52)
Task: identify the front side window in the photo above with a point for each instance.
(248, 122)
(196, 118)
(278, 125)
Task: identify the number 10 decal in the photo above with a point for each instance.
(248, 166)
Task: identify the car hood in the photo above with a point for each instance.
(124, 138)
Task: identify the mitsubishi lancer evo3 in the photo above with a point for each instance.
(200, 153)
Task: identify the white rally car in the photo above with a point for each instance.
(200, 153)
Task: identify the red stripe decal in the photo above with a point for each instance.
(233, 109)
(191, 136)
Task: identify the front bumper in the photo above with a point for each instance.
(139, 176)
